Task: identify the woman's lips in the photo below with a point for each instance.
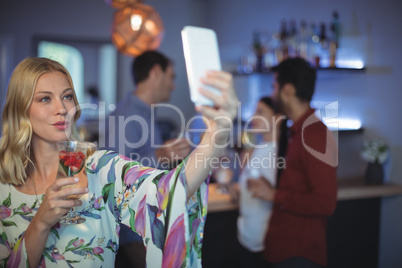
(62, 125)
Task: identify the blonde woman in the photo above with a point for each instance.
(167, 208)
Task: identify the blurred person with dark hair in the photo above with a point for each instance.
(307, 193)
(133, 131)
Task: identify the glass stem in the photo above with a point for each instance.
(71, 213)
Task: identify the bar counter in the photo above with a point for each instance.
(353, 230)
(348, 189)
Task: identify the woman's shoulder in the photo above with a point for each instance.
(5, 189)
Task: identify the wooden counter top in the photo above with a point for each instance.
(218, 201)
(348, 189)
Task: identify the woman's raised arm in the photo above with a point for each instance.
(219, 123)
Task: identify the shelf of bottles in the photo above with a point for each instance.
(312, 43)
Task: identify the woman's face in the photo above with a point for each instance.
(263, 118)
(51, 112)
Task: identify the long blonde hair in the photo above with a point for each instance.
(16, 157)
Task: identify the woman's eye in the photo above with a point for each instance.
(68, 97)
(45, 99)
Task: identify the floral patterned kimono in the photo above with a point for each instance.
(151, 202)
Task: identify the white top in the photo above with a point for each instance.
(254, 216)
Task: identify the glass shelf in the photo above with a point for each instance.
(341, 69)
(319, 69)
(350, 131)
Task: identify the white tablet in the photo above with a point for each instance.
(201, 54)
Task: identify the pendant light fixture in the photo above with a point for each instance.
(136, 27)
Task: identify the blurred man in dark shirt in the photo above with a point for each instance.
(307, 192)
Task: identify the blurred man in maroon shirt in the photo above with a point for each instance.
(306, 194)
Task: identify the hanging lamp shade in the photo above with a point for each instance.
(122, 3)
(137, 28)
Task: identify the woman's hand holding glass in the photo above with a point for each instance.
(56, 203)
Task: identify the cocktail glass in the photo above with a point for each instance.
(72, 158)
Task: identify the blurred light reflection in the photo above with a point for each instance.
(354, 64)
(343, 124)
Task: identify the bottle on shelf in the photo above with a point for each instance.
(284, 49)
(314, 46)
(274, 52)
(324, 42)
(335, 28)
(335, 36)
(332, 54)
(292, 40)
(303, 41)
(248, 61)
(269, 44)
(259, 50)
(323, 36)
